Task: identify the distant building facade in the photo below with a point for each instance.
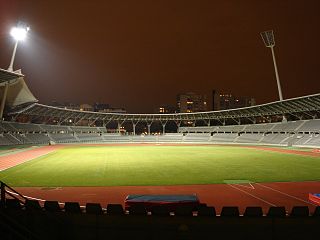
(223, 101)
(191, 102)
(166, 109)
(65, 105)
(106, 108)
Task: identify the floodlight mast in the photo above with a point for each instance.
(19, 34)
(268, 39)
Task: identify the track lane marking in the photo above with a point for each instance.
(286, 194)
(256, 197)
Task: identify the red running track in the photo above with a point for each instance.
(14, 159)
(286, 194)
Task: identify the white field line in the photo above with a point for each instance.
(286, 194)
(239, 189)
(241, 185)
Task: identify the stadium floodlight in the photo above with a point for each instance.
(268, 39)
(19, 33)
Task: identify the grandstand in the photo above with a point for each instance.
(301, 133)
(292, 122)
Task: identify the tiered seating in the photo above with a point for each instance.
(39, 138)
(314, 140)
(26, 127)
(249, 138)
(116, 138)
(69, 220)
(275, 138)
(310, 126)
(80, 129)
(223, 137)
(263, 127)
(144, 138)
(89, 137)
(287, 126)
(7, 127)
(296, 133)
(231, 128)
(63, 137)
(22, 138)
(4, 140)
(170, 137)
(13, 139)
(55, 128)
(200, 129)
(197, 137)
(102, 129)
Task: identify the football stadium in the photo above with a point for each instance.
(248, 173)
(210, 169)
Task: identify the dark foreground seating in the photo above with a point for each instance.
(115, 209)
(253, 212)
(299, 211)
(72, 207)
(230, 212)
(276, 212)
(32, 205)
(52, 206)
(94, 208)
(52, 222)
(206, 211)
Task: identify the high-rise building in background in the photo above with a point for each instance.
(191, 102)
(165, 109)
(223, 101)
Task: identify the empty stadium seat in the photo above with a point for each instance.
(316, 212)
(160, 210)
(94, 208)
(253, 212)
(115, 209)
(184, 211)
(206, 211)
(13, 203)
(52, 206)
(276, 212)
(32, 205)
(137, 209)
(299, 211)
(230, 212)
(72, 207)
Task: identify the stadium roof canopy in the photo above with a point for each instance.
(307, 104)
(6, 75)
(17, 92)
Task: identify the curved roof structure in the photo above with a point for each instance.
(17, 92)
(292, 106)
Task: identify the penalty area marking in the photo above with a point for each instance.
(240, 183)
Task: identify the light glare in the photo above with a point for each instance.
(19, 34)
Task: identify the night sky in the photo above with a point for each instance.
(141, 54)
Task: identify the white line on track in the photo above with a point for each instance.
(286, 194)
(241, 190)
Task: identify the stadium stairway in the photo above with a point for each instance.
(22, 218)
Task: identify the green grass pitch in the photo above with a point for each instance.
(159, 165)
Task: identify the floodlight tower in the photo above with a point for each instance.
(268, 39)
(19, 33)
